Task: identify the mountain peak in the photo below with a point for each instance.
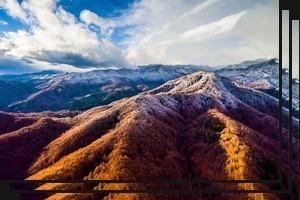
(188, 84)
(251, 63)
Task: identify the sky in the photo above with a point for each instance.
(295, 43)
(295, 48)
(80, 35)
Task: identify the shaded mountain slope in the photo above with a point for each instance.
(21, 147)
(263, 75)
(13, 91)
(12, 122)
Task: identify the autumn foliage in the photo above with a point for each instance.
(163, 136)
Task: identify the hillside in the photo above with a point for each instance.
(200, 126)
(263, 75)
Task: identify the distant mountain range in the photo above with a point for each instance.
(199, 126)
(55, 91)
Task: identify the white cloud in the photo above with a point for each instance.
(185, 47)
(21, 66)
(260, 27)
(147, 17)
(2, 22)
(14, 9)
(170, 32)
(56, 36)
(89, 18)
(208, 30)
(201, 32)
